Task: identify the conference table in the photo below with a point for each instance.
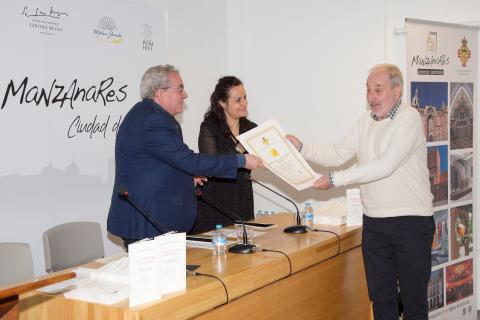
(323, 278)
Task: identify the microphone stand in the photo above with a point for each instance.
(123, 193)
(239, 248)
(298, 228)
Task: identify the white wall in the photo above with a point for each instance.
(197, 33)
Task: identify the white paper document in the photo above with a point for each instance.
(279, 155)
(98, 290)
(174, 269)
(67, 285)
(354, 207)
(157, 266)
(144, 272)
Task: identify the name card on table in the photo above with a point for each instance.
(156, 266)
(354, 207)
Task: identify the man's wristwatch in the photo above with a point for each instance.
(331, 179)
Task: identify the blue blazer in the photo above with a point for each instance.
(157, 168)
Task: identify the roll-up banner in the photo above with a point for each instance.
(442, 66)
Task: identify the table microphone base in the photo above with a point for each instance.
(295, 229)
(242, 248)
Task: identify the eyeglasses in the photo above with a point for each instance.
(179, 88)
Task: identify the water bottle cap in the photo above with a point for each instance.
(218, 226)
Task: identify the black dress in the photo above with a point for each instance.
(229, 195)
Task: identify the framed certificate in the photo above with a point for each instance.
(279, 155)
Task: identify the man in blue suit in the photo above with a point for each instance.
(156, 167)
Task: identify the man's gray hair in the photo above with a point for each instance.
(154, 78)
(396, 77)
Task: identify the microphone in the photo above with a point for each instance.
(242, 248)
(123, 194)
(298, 228)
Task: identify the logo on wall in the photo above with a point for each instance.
(428, 62)
(147, 44)
(47, 22)
(464, 53)
(432, 42)
(107, 31)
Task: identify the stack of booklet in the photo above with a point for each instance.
(333, 213)
(152, 268)
(107, 285)
(340, 211)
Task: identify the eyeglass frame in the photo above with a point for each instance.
(179, 88)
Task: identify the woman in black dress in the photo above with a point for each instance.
(224, 120)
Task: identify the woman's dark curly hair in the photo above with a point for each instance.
(216, 112)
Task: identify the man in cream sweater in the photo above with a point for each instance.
(389, 145)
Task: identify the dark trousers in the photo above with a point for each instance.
(398, 248)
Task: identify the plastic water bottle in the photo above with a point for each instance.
(259, 214)
(219, 241)
(308, 217)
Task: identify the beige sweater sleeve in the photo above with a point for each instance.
(333, 155)
(404, 137)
